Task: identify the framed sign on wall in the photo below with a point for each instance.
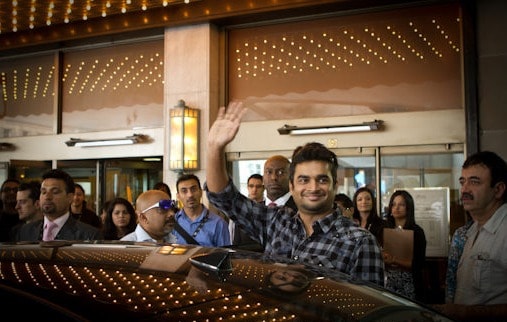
(432, 213)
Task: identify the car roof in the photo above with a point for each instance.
(150, 282)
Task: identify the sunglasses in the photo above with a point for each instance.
(163, 204)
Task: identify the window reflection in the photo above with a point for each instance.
(386, 62)
(113, 88)
(28, 95)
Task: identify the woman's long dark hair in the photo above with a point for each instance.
(410, 216)
(109, 229)
(373, 215)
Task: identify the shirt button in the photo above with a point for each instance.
(296, 258)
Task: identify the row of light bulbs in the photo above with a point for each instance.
(75, 9)
(305, 52)
(35, 82)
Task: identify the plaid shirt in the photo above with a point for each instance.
(336, 241)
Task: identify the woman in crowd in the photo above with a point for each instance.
(365, 212)
(120, 219)
(404, 276)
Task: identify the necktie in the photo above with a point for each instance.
(272, 205)
(48, 231)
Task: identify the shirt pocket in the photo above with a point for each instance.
(481, 271)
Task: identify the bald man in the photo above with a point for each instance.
(276, 182)
(155, 218)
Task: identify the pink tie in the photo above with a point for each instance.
(272, 205)
(48, 231)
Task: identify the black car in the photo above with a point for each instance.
(125, 281)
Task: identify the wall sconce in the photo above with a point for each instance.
(184, 148)
(136, 138)
(362, 127)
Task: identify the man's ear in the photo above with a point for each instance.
(500, 190)
(141, 217)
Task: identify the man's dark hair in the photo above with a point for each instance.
(254, 176)
(186, 177)
(9, 180)
(496, 165)
(61, 175)
(33, 187)
(313, 151)
(344, 200)
(164, 187)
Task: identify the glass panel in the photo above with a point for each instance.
(384, 62)
(435, 170)
(113, 88)
(25, 170)
(128, 178)
(413, 171)
(28, 95)
(356, 172)
(84, 172)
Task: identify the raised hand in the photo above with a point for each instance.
(221, 133)
(226, 126)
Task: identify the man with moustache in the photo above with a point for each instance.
(481, 277)
(57, 191)
(316, 234)
(197, 224)
(155, 218)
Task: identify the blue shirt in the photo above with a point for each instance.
(213, 231)
(458, 241)
(336, 242)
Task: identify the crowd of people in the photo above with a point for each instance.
(291, 210)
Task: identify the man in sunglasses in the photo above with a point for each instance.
(155, 218)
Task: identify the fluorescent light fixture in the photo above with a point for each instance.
(362, 127)
(6, 146)
(136, 138)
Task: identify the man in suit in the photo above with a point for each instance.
(276, 182)
(57, 191)
(8, 213)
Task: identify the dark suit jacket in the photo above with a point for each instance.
(87, 216)
(71, 230)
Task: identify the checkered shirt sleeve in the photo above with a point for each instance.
(336, 242)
